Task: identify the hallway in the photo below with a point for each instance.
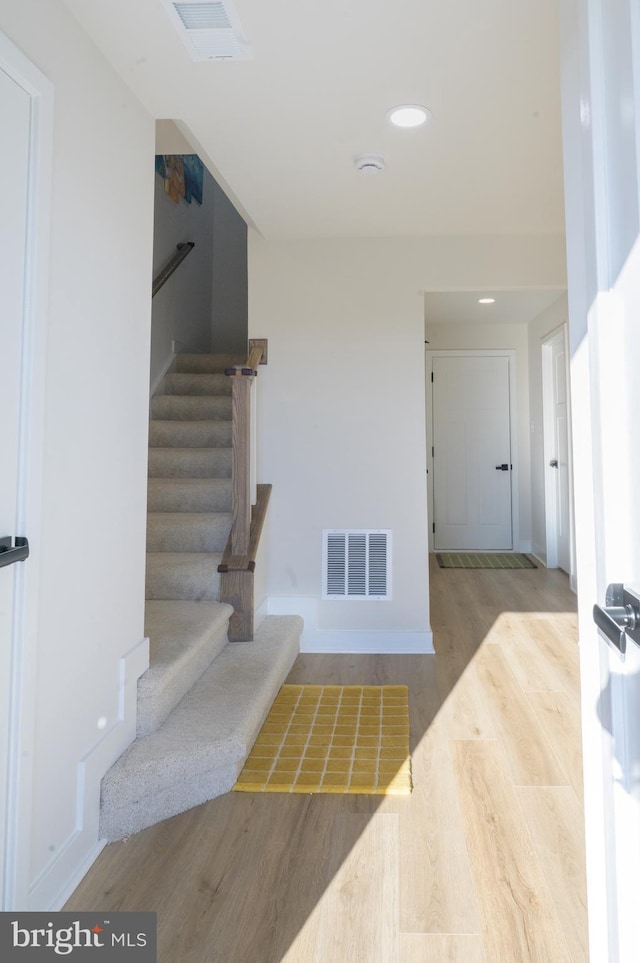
(483, 863)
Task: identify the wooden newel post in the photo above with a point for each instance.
(240, 463)
(242, 376)
(239, 558)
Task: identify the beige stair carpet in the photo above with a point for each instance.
(202, 700)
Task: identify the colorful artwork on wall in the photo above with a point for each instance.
(183, 176)
(193, 178)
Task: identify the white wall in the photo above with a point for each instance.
(182, 307)
(92, 550)
(555, 316)
(493, 337)
(342, 407)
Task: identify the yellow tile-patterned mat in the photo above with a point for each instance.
(333, 739)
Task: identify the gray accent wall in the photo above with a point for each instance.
(181, 310)
(229, 330)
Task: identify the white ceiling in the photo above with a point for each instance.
(462, 307)
(280, 132)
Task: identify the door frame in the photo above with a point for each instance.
(548, 434)
(510, 353)
(594, 311)
(15, 871)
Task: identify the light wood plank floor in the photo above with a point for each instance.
(483, 863)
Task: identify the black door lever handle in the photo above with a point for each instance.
(18, 553)
(502, 467)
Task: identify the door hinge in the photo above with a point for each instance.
(433, 451)
(434, 528)
(432, 377)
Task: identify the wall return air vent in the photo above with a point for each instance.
(209, 30)
(356, 564)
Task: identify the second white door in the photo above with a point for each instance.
(472, 467)
(556, 448)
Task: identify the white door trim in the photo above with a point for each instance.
(29, 512)
(550, 490)
(548, 451)
(430, 354)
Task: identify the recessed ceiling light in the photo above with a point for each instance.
(486, 300)
(409, 115)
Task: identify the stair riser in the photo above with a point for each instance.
(190, 463)
(197, 384)
(182, 532)
(189, 495)
(188, 577)
(190, 408)
(185, 637)
(199, 751)
(190, 434)
(207, 363)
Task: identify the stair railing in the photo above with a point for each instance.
(163, 276)
(249, 501)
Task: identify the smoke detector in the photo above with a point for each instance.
(369, 163)
(209, 29)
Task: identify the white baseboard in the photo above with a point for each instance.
(348, 641)
(74, 858)
(367, 642)
(168, 366)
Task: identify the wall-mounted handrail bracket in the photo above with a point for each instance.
(619, 618)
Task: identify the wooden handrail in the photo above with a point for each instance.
(247, 563)
(250, 368)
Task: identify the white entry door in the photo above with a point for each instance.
(472, 467)
(556, 452)
(601, 119)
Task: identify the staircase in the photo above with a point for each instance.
(203, 699)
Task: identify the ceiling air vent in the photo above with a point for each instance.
(209, 30)
(356, 564)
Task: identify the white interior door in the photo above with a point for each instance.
(15, 119)
(26, 121)
(556, 452)
(601, 114)
(472, 467)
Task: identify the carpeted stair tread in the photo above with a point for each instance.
(198, 752)
(191, 407)
(189, 495)
(188, 531)
(177, 383)
(189, 434)
(190, 462)
(208, 363)
(192, 576)
(184, 638)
